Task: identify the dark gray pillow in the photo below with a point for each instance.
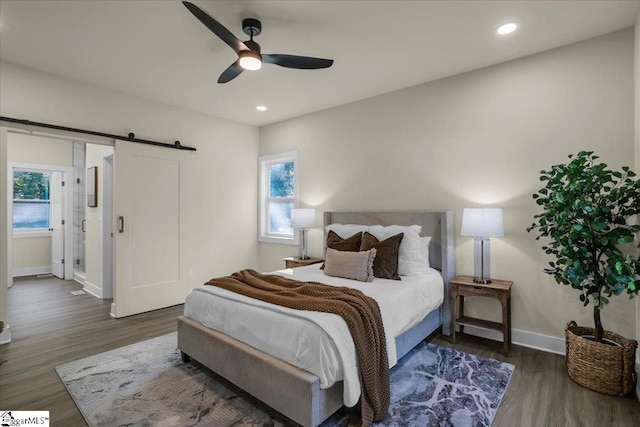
(350, 244)
(385, 264)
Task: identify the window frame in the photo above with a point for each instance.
(264, 164)
(21, 233)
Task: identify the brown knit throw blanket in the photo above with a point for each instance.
(360, 312)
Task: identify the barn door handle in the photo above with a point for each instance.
(83, 226)
(120, 224)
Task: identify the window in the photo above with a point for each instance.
(31, 203)
(278, 197)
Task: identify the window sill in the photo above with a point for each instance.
(27, 234)
(279, 240)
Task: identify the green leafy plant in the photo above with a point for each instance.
(586, 215)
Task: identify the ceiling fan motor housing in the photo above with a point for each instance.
(251, 27)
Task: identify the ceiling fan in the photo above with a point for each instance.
(249, 56)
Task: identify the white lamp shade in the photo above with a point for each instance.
(482, 222)
(303, 218)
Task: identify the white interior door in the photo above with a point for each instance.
(56, 224)
(147, 204)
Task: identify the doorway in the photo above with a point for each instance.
(39, 208)
(73, 240)
(147, 179)
(54, 153)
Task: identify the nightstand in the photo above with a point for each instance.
(293, 262)
(464, 286)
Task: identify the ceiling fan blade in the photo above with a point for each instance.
(217, 28)
(231, 73)
(294, 61)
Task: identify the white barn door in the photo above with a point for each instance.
(147, 204)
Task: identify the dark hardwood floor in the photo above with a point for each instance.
(50, 326)
(542, 394)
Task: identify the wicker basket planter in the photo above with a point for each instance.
(600, 367)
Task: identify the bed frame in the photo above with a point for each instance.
(292, 391)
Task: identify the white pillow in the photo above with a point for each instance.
(424, 243)
(410, 256)
(346, 230)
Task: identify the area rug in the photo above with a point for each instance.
(147, 384)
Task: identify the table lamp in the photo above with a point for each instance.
(303, 219)
(482, 223)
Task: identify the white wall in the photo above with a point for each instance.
(475, 139)
(37, 149)
(32, 255)
(93, 216)
(221, 236)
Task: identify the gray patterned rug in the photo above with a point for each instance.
(146, 384)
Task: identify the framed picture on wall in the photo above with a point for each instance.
(92, 187)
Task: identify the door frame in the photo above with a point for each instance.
(107, 228)
(67, 174)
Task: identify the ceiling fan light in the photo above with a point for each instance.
(250, 60)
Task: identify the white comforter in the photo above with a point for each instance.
(317, 342)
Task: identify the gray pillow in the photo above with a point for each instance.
(350, 265)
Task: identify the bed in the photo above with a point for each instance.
(296, 392)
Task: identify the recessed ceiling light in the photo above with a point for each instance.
(261, 108)
(507, 28)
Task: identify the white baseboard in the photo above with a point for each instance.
(5, 336)
(31, 271)
(92, 289)
(80, 278)
(524, 338)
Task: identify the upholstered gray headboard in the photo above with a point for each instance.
(437, 224)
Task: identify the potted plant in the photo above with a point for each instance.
(586, 215)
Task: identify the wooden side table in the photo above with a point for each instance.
(464, 286)
(293, 262)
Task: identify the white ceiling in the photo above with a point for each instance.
(158, 50)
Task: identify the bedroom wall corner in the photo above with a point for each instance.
(476, 139)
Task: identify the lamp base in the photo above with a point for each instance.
(481, 260)
(303, 246)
